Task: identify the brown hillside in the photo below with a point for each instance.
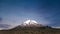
(31, 30)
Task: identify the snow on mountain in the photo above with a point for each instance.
(29, 22)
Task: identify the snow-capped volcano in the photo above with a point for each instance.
(30, 22)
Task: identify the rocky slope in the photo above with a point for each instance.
(31, 30)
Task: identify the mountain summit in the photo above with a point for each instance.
(31, 23)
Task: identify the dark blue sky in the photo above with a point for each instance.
(43, 11)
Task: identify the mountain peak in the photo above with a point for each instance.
(30, 22)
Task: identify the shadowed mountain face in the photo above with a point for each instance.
(31, 30)
(38, 26)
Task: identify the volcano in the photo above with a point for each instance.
(31, 24)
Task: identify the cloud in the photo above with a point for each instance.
(0, 19)
(4, 26)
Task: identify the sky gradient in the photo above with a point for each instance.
(15, 12)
